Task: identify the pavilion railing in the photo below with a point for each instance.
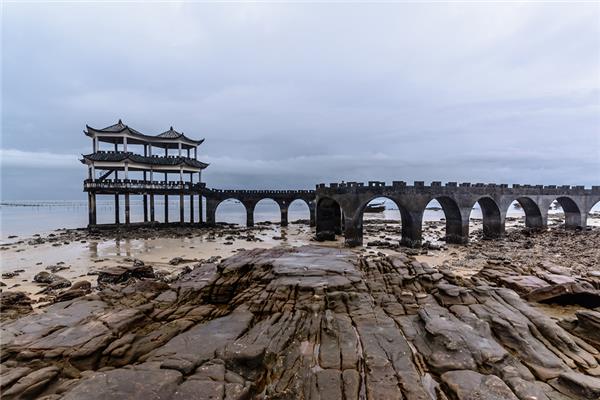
(134, 184)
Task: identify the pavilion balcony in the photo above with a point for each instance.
(134, 184)
(117, 160)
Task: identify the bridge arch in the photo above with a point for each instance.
(492, 221)
(572, 212)
(360, 214)
(533, 213)
(231, 203)
(457, 230)
(329, 218)
(593, 214)
(261, 208)
(595, 207)
(300, 209)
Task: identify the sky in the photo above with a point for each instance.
(291, 95)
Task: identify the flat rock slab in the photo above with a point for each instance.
(524, 283)
(133, 384)
(188, 350)
(471, 385)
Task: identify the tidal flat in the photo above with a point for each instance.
(267, 312)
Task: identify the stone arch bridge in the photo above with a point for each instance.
(249, 198)
(340, 207)
(337, 209)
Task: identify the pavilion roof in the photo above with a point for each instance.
(169, 135)
(118, 156)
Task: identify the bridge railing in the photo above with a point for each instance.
(420, 185)
(135, 184)
(261, 192)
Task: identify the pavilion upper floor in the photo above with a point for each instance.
(121, 136)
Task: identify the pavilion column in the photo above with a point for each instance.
(200, 199)
(200, 216)
(145, 197)
(181, 207)
(145, 200)
(166, 195)
(92, 208)
(152, 219)
(117, 208)
(127, 217)
(166, 201)
(192, 208)
(191, 196)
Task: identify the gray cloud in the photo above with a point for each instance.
(288, 95)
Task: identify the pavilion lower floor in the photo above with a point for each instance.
(189, 205)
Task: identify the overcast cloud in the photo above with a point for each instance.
(289, 95)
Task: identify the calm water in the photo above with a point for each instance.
(25, 218)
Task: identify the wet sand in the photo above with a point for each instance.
(83, 254)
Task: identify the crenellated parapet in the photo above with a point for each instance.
(260, 192)
(438, 186)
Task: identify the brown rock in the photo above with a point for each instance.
(120, 274)
(471, 385)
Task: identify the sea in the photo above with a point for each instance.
(25, 218)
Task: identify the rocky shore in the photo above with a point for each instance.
(517, 318)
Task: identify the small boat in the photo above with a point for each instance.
(375, 207)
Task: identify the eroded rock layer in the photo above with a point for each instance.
(304, 323)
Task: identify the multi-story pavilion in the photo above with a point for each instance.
(165, 164)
